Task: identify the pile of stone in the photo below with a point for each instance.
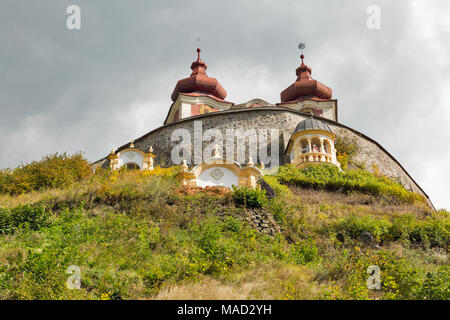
(262, 221)
(217, 191)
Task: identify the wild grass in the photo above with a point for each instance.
(134, 237)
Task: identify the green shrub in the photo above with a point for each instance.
(353, 226)
(29, 216)
(329, 177)
(398, 278)
(304, 253)
(429, 231)
(347, 145)
(436, 285)
(346, 148)
(279, 210)
(407, 228)
(280, 190)
(232, 224)
(250, 198)
(53, 171)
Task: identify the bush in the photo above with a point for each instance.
(429, 232)
(353, 226)
(53, 171)
(30, 216)
(170, 172)
(250, 198)
(398, 277)
(280, 210)
(346, 148)
(280, 190)
(329, 177)
(436, 285)
(347, 145)
(232, 224)
(304, 253)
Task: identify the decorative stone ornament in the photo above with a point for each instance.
(113, 160)
(220, 173)
(132, 158)
(184, 165)
(217, 174)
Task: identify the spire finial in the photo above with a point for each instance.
(302, 46)
(184, 165)
(198, 53)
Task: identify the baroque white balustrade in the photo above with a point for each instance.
(315, 157)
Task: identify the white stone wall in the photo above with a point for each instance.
(131, 156)
(217, 176)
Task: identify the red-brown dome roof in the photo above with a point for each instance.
(305, 86)
(199, 82)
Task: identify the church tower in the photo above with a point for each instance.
(309, 95)
(197, 94)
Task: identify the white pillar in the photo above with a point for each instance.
(310, 158)
(322, 150)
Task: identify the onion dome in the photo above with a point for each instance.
(305, 86)
(199, 82)
(312, 124)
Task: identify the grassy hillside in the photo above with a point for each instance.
(136, 235)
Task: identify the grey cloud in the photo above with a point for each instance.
(111, 81)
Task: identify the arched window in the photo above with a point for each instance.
(132, 166)
(304, 146)
(315, 144)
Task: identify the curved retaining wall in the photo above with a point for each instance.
(285, 120)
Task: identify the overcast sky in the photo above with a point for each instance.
(101, 86)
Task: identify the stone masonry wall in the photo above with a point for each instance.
(285, 120)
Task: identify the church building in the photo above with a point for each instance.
(304, 127)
